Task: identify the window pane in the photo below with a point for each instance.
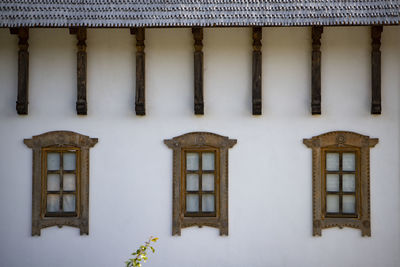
(69, 182)
(349, 162)
(349, 182)
(332, 182)
(208, 161)
(69, 203)
(207, 182)
(208, 203)
(53, 203)
(53, 182)
(332, 161)
(192, 161)
(192, 182)
(332, 203)
(69, 161)
(53, 161)
(349, 204)
(192, 203)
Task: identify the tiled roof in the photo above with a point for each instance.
(189, 13)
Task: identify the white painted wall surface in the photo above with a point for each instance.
(270, 213)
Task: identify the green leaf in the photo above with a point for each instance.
(141, 253)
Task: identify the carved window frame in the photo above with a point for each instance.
(341, 141)
(200, 141)
(58, 141)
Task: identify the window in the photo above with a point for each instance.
(200, 181)
(60, 180)
(341, 181)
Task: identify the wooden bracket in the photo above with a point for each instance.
(257, 69)
(198, 71)
(316, 70)
(81, 103)
(376, 32)
(23, 69)
(140, 107)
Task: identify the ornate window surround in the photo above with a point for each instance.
(338, 140)
(59, 141)
(200, 141)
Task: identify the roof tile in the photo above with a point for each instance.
(189, 13)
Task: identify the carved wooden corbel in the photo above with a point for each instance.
(23, 69)
(257, 67)
(198, 71)
(316, 70)
(81, 103)
(376, 32)
(140, 107)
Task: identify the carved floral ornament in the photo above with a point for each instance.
(339, 142)
(200, 143)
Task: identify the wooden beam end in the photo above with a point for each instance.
(257, 108)
(22, 108)
(81, 107)
(376, 109)
(198, 109)
(140, 109)
(316, 109)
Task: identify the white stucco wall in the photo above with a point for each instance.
(270, 213)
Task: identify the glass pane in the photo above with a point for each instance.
(53, 203)
(332, 203)
(53, 161)
(69, 182)
(192, 182)
(332, 161)
(207, 182)
(332, 182)
(208, 203)
(349, 204)
(208, 161)
(69, 203)
(349, 162)
(349, 183)
(69, 161)
(53, 182)
(192, 203)
(192, 161)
